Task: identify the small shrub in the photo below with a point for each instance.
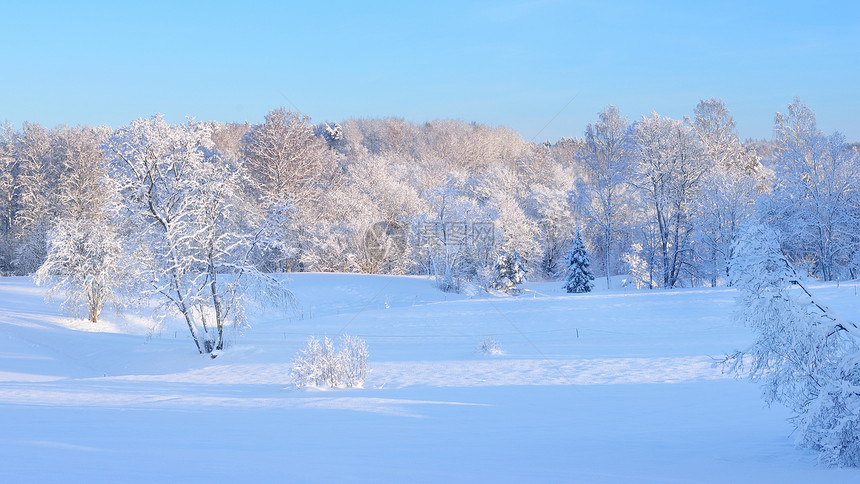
(320, 365)
(490, 346)
(509, 272)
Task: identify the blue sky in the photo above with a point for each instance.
(503, 63)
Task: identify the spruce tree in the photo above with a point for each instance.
(579, 275)
(510, 271)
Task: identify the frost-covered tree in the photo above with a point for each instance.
(715, 127)
(446, 234)
(86, 257)
(725, 202)
(332, 133)
(9, 195)
(8, 177)
(384, 202)
(289, 166)
(579, 276)
(510, 272)
(195, 236)
(320, 364)
(83, 191)
(86, 263)
(804, 355)
(37, 181)
(729, 188)
(670, 163)
(603, 195)
(518, 232)
(547, 204)
(638, 267)
(285, 158)
(818, 176)
(228, 137)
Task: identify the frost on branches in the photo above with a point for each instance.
(805, 356)
(196, 233)
(85, 262)
(86, 258)
(510, 271)
(320, 365)
(579, 274)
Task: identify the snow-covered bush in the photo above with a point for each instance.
(321, 365)
(637, 266)
(579, 275)
(509, 272)
(805, 356)
(490, 346)
(85, 262)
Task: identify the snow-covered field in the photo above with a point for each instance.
(614, 386)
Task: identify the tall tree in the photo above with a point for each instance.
(670, 163)
(9, 196)
(606, 158)
(729, 188)
(9, 173)
(38, 176)
(817, 178)
(291, 169)
(196, 237)
(285, 158)
(86, 259)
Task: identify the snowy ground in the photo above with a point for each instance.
(617, 386)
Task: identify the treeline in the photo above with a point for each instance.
(657, 198)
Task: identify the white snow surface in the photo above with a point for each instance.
(612, 386)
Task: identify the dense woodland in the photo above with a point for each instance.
(658, 198)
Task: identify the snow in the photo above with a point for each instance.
(610, 386)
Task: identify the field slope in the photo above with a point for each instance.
(613, 386)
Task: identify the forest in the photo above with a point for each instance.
(657, 198)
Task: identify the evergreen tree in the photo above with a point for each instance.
(510, 272)
(579, 275)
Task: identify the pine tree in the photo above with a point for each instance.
(579, 275)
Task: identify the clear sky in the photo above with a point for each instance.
(514, 63)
